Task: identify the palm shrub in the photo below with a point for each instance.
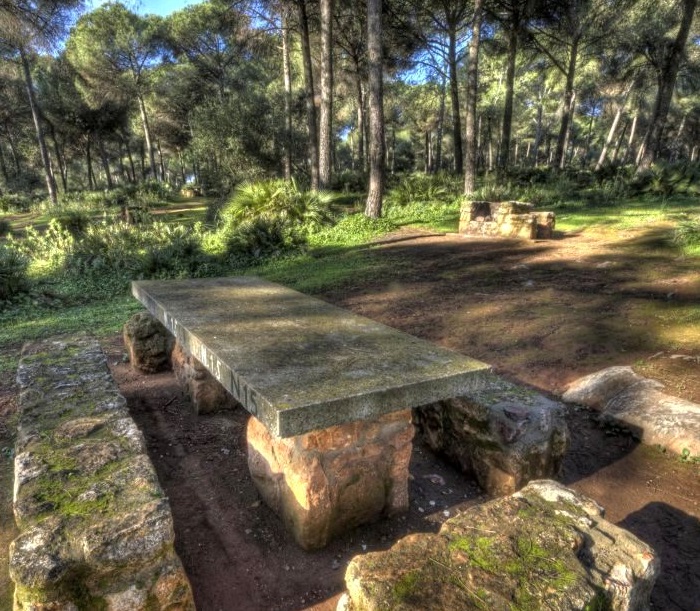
(423, 188)
(13, 272)
(687, 234)
(175, 251)
(271, 216)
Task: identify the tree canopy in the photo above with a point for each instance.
(223, 91)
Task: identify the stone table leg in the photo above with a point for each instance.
(326, 482)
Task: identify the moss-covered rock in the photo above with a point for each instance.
(96, 530)
(545, 547)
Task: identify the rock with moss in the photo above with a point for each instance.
(96, 530)
(148, 343)
(545, 547)
(504, 434)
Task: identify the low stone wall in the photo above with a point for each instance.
(504, 434)
(505, 219)
(545, 547)
(96, 528)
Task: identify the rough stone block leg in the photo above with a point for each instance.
(505, 435)
(205, 391)
(326, 482)
(148, 343)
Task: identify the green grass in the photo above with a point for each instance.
(336, 256)
(28, 322)
(633, 213)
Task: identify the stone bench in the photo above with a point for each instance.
(331, 394)
(545, 547)
(502, 433)
(95, 528)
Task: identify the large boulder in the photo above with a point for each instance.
(639, 404)
(545, 547)
(503, 434)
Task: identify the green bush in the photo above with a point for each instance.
(350, 181)
(14, 202)
(51, 246)
(176, 252)
(353, 229)
(262, 238)
(74, 221)
(664, 180)
(424, 188)
(13, 272)
(687, 233)
(494, 190)
(5, 227)
(269, 217)
(281, 200)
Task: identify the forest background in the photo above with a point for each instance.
(284, 120)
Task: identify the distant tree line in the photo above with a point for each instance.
(338, 93)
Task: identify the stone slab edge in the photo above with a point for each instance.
(314, 416)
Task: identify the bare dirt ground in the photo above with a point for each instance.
(542, 313)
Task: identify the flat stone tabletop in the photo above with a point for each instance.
(298, 363)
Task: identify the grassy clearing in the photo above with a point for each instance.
(93, 294)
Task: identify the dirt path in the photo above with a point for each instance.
(543, 313)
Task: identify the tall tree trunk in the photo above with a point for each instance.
(13, 151)
(440, 127)
(309, 86)
(182, 166)
(59, 158)
(361, 158)
(454, 99)
(147, 135)
(426, 152)
(161, 163)
(50, 182)
(142, 161)
(666, 79)
(610, 137)
(629, 151)
(3, 165)
(122, 168)
(560, 152)
(325, 148)
(105, 162)
(373, 207)
(620, 139)
(287, 69)
(88, 159)
(510, 86)
(472, 83)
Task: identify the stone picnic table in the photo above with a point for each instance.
(331, 393)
